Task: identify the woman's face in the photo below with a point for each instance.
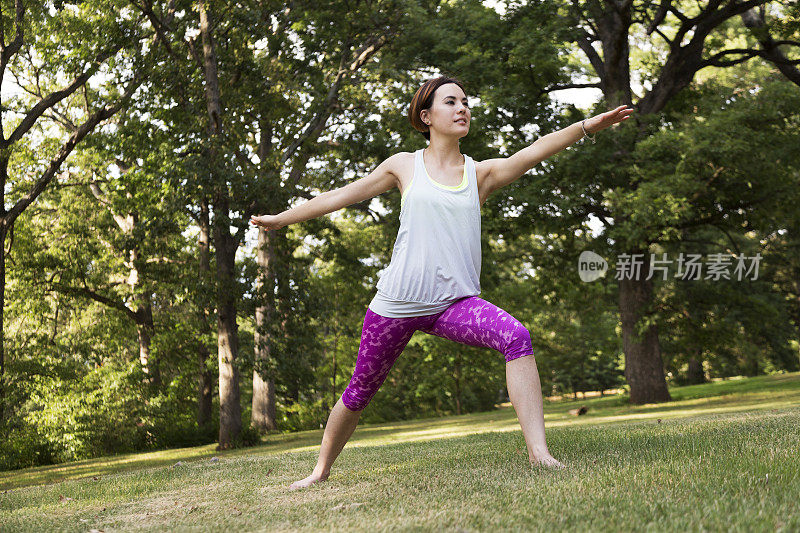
(449, 113)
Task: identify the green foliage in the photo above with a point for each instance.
(309, 414)
(103, 410)
(24, 447)
(716, 168)
(248, 436)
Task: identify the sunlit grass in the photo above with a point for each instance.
(759, 393)
(721, 456)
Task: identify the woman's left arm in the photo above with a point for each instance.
(502, 171)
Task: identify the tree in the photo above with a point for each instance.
(610, 24)
(280, 129)
(619, 181)
(78, 55)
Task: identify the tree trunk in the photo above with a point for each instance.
(145, 336)
(644, 369)
(2, 316)
(145, 328)
(205, 389)
(143, 313)
(751, 368)
(263, 407)
(282, 255)
(457, 374)
(335, 348)
(695, 374)
(230, 410)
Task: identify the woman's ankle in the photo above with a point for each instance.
(321, 472)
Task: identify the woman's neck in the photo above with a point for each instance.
(444, 152)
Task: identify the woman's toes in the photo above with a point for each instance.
(548, 461)
(303, 483)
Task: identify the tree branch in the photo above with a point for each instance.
(771, 51)
(86, 292)
(585, 43)
(85, 128)
(125, 223)
(55, 97)
(7, 52)
(749, 54)
(158, 24)
(659, 17)
(317, 124)
(684, 61)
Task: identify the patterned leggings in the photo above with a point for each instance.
(471, 321)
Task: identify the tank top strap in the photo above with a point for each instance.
(472, 177)
(419, 166)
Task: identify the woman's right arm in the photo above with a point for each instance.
(380, 180)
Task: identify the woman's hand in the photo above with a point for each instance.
(609, 118)
(268, 222)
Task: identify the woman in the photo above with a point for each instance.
(432, 281)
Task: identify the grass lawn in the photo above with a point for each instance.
(720, 457)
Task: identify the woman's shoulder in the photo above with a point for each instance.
(400, 157)
(482, 168)
(401, 162)
(404, 155)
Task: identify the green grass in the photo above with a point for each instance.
(724, 456)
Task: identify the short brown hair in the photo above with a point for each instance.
(423, 99)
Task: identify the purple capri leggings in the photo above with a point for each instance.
(471, 321)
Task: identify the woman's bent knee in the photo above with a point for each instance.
(520, 344)
(354, 402)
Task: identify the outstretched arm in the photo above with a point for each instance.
(380, 180)
(502, 171)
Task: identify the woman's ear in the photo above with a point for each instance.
(423, 115)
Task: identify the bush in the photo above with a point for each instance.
(109, 409)
(303, 415)
(23, 447)
(249, 436)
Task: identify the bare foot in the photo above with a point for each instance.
(547, 460)
(307, 482)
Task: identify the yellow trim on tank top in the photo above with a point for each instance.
(458, 187)
(405, 192)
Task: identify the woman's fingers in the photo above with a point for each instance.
(254, 220)
(617, 115)
(268, 222)
(609, 118)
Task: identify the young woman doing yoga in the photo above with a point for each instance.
(433, 279)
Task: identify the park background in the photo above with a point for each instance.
(140, 310)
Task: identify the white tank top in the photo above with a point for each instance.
(436, 258)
